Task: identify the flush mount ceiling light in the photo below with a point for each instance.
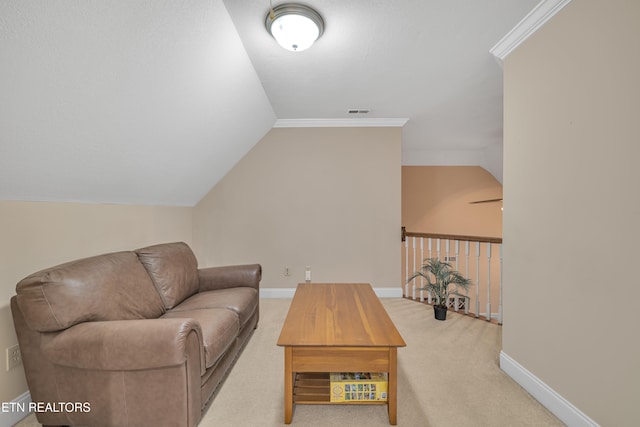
(294, 26)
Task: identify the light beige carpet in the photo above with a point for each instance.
(448, 376)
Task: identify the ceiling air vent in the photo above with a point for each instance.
(358, 111)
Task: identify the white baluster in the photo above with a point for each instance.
(406, 266)
(413, 289)
(466, 274)
(488, 281)
(500, 304)
(446, 252)
(457, 249)
(439, 257)
(477, 279)
(430, 256)
(421, 278)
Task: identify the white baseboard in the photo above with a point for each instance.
(15, 410)
(558, 405)
(288, 292)
(277, 292)
(494, 316)
(388, 292)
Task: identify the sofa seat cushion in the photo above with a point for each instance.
(219, 326)
(243, 301)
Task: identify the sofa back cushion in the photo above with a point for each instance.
(105, 287)
(173, 269)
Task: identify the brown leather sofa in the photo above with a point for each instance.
(139, 338)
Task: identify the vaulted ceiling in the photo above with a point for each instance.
(154, 101)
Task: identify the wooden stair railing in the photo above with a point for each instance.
(477, 258)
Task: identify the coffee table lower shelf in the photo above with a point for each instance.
(313, 388)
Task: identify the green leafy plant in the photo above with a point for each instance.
(442, 280)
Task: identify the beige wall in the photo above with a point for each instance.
(328, 198)
(571, 176)
(36, 235)
(435, 199)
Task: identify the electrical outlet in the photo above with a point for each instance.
(14, 358)
(307, 274)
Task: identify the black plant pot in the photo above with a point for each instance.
(440, 312)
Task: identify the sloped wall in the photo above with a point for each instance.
(435, 199)
(128, 102)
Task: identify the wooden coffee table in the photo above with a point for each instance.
(336, 327)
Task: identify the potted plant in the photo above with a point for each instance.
(440, 276)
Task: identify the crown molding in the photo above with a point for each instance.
(535, 19)
(339, 123)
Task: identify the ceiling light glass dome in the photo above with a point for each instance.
(294, 26)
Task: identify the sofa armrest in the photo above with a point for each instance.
(232, 276)
(123, 345)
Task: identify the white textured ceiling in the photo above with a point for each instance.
(153, 101)
(133, 102)
(426, 60)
